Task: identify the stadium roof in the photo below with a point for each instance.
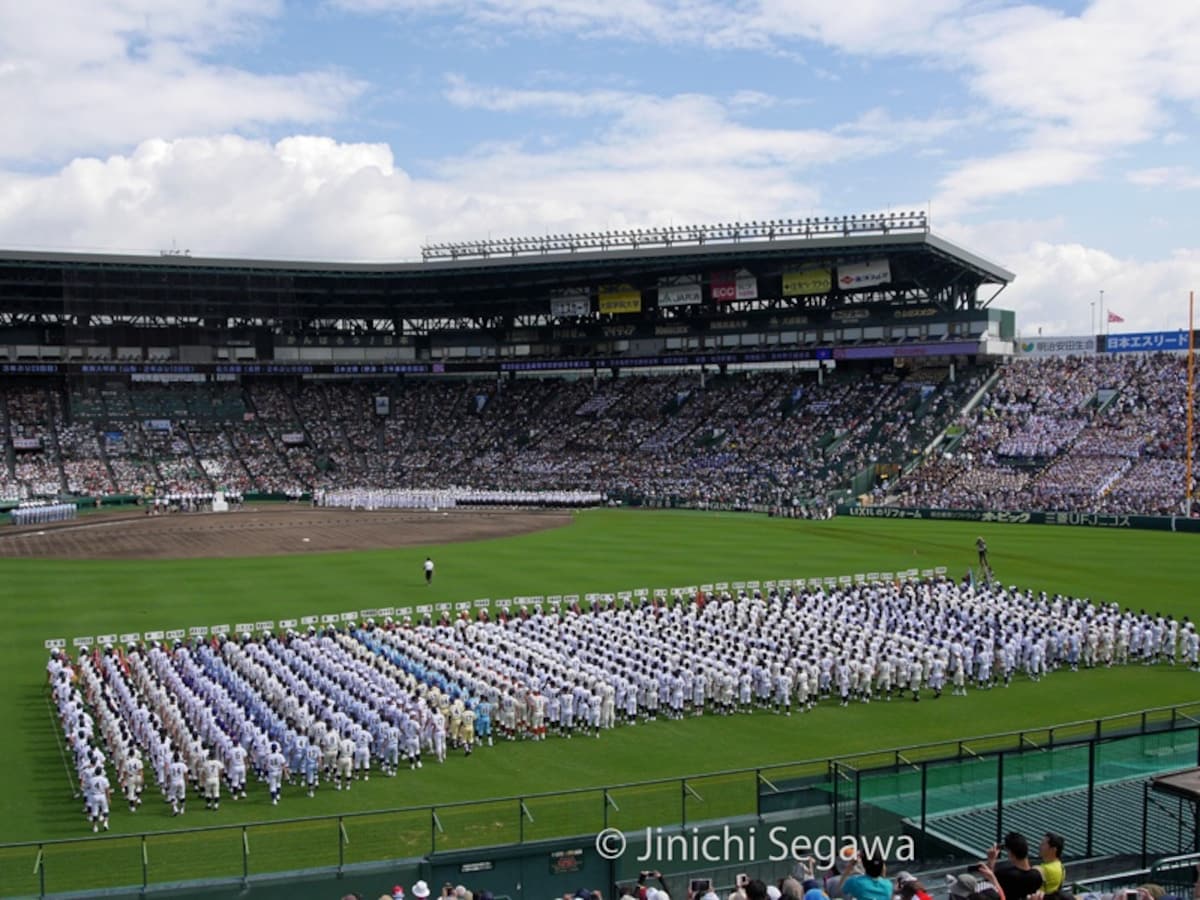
(479, 291)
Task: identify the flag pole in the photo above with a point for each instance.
(1191, 399)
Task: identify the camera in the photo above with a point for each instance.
(700, 886)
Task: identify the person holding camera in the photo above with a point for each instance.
(1018, 878)
(659, 893)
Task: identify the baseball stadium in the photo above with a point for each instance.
(572, 560)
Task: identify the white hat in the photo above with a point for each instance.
(961, 885)
(421, 889)
(773, 893)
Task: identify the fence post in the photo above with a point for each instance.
(341, 847)
(758, 794)
(858, 803)
(145, 867)
(1000, 797)
(924, 807)
(1091, 795)
(682, 803)
(245, 857)
(41, 867)
(520, 820)
(837, 823)
(432, 830)
(1145, 817)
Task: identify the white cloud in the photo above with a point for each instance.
(317, 198)
(1175, 177)
(867, 27)
(98, 76)
(1011, 173)
(660, 21)
(1069, 89)
(688, 130)
(1058, 280)
(857, 26)
(1081, 88)
(1061, 281)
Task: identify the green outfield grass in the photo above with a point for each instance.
(601, 551)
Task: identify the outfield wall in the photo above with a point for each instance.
(1009, 517)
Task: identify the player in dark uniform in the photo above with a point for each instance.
(981, 546)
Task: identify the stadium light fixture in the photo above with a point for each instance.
(669, 235)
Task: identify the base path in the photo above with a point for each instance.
(264, 531)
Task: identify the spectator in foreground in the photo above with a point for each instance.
(909, 888)
(1017, 877)
(1051, 867)
(871, 885)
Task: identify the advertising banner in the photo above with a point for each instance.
(813, 281)
(1022, 517)
(1070, 345)
(679, 294)
(739, 285)
(622, 299)
(26, 443)
(293, 438)
(724, 286)
(949, 348)
(158, 424)
(747, 286)
(572, 305)
(864, 275)
(1146, 341)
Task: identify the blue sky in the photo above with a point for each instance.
(1055, 138)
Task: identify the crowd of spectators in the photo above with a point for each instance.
(33, 441)
(83, 464)
(1097, 434)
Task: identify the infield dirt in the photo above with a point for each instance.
(264, 531)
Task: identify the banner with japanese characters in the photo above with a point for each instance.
(1146, 342)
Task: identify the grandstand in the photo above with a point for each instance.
(728, 366)
(760, 380)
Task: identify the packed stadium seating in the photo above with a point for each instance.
(1098, 433)
(1101, 434)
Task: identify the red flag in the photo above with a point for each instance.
(1113, 317)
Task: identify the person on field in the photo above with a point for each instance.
(428, 570)
(981, 547)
